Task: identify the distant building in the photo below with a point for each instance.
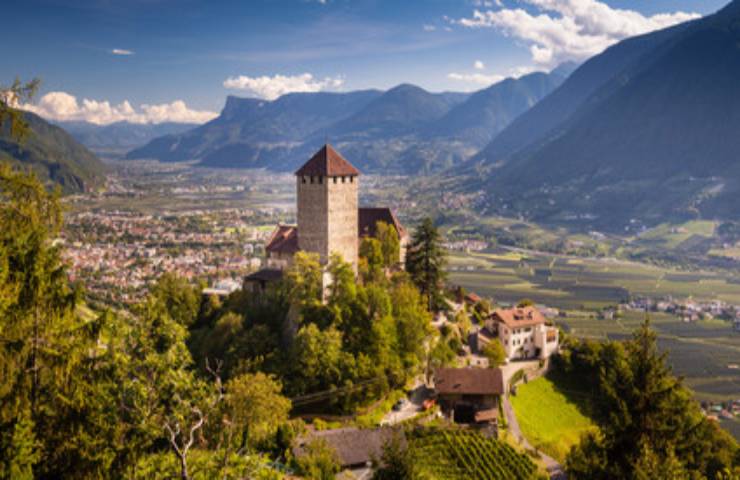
(329, 219)
(737, 324)
(524, 333)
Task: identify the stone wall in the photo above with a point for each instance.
(327, 216)
(312, 218)
(343, 217)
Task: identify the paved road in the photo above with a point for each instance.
(553, 467)
(412, 407)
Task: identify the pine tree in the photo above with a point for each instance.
(650, 426)
(425, 262)
(24, 451)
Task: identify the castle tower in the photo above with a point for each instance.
(327, 187)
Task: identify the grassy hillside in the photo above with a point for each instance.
(550, 412)
(54, 155)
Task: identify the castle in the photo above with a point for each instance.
(329, 218)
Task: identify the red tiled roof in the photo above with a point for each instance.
(369, 218)
(283, 240)
(327, 162)
(519, 317)
(469, 381)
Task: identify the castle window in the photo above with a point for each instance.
(342, 178)
(351, 179)
(311, 178)
(303, 179)
(335, 179)
(321, 179)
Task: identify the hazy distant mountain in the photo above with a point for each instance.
(646, 131)
(120, 135)
(485, 113)
(393, 131)
(268, 128)
(53, 154)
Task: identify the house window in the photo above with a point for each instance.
(303, 179)
(311, 178)
(342, 179)
(335, 179)
(351, 179)
(506, 342)
(321, 179)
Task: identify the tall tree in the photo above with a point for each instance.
(425, 262)
(12, 96)
(255, 407)
(390, 245)
(396, 461)
(647, 418)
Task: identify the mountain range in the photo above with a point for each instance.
(403, 130)
(53, 154)
(120, 136)
(649, 130)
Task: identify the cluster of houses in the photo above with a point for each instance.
(721, 410)
(687, 309)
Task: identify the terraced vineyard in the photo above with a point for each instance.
(465, 454)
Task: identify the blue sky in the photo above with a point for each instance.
(156, 52)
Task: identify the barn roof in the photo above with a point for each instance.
(469, 381)
(354, 446)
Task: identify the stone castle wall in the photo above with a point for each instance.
(328, 216)
(343, 217)
(312, 218)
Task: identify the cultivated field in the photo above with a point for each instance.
(445, 454)
(704, 352)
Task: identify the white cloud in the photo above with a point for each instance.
(273, 87)
(479, 65)
(478, 78)
(121, 51)
(429, 28)
(570, 29)
(62, 106)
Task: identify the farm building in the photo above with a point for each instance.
(469, 395)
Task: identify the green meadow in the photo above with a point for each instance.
(551, 415)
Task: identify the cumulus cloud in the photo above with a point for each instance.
(570, 29)
(273, 87)
(479, 65)
(62, 106)
(121, 51)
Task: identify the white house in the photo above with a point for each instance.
(525, 333)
